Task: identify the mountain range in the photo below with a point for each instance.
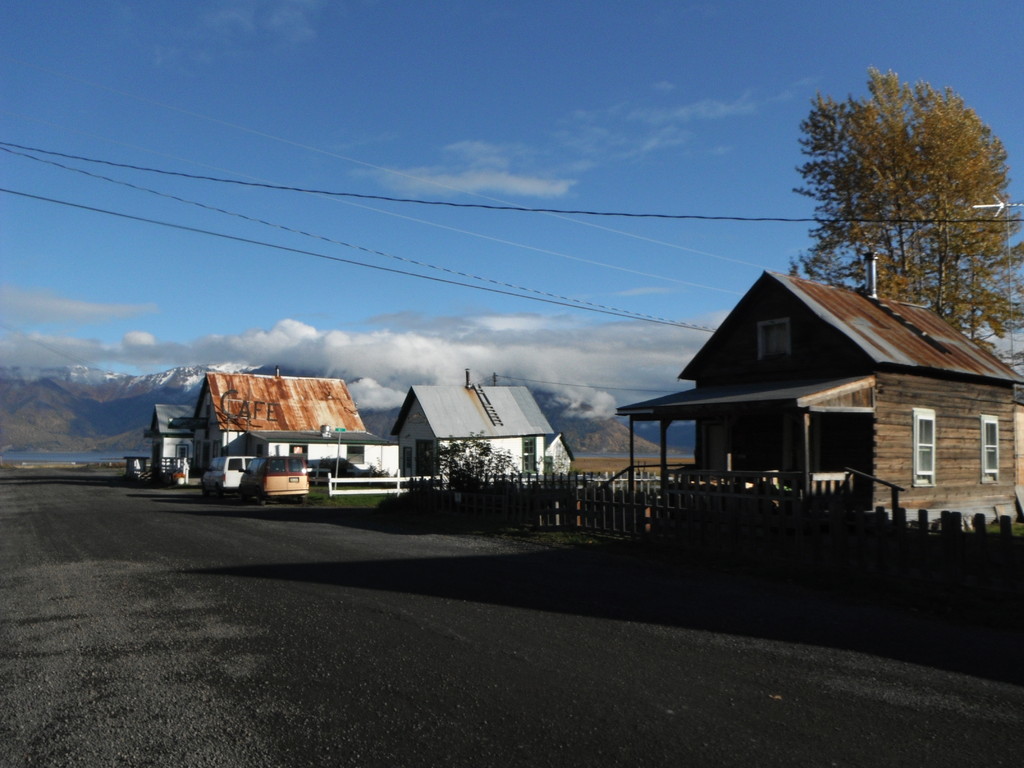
(78, 409)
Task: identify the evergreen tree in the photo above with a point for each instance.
(897, 173)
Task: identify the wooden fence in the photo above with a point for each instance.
(767, 522)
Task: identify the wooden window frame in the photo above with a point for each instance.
(924, 477)
(766, 350)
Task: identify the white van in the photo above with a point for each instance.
(224, 474)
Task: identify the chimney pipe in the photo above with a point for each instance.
(871, 274)
(468, 385)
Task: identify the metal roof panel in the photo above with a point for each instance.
(457, 411)
(245, 401)
(897, 333)
(777, 391)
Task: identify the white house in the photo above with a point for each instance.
(360, 448)
(558, 456)
(508, 417)
(243, 414)
(170, 433)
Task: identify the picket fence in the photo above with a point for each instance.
(767, 523)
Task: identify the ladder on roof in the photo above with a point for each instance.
(489, 409)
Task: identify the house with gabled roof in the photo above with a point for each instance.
(170, 434)
(508, 417)
(245, 414)
(819, 380)
(558, 455)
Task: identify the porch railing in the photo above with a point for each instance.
(781, 491)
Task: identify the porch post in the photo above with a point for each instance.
(807, 453)
(632, 460)
(664, 452)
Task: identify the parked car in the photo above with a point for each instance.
(275, 477)
(224, 474)
(319, 469)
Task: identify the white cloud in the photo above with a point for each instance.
(290, 22)
(705, 109)
(589, 367)
(626, 130)
(369, 393)
(486, 180)
(293, 19)
(43, 306)
(479, 167)
(138, 339)
(650, 290)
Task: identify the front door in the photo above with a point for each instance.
(716, 447)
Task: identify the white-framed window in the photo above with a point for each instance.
(989, 449)
(924, 446)
(773, 338)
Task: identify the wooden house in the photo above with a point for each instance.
(170, 434)
(821, 380)
(508, 417)
(243, 414)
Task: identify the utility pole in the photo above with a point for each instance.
(1003, 206)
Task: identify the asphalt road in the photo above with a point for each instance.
(147, 627)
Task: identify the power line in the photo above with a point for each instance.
(244, 217)
(435, 224)
(249, 241)
(494, 206)
(585, 386)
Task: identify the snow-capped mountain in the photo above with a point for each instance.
(82, 409)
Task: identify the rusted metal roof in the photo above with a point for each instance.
(896, 333)
(250, 402)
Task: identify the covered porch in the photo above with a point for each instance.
(804, 434)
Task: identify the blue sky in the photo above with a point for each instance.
(643, 107)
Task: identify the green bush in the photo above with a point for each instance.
(467, 464)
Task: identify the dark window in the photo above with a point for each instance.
(425, 461)
(773, 338)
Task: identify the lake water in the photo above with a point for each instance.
(45, 457)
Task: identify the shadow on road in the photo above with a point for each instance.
(599, 585)
(591, 584)
(83, 476)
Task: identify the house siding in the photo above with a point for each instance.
(958, 407)
(504, 416)
(414, 428)
(917, 360)
(816, 349)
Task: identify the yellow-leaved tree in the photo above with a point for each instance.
(898, 173)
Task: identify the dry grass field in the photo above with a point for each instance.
(619, 463)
